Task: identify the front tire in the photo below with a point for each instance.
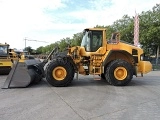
(59, 74)
(119, 73)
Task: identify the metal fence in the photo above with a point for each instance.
(155, 67)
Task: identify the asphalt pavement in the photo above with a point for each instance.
(84, 99)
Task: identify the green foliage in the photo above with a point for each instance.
(39, 50)
(149, 28)
(125, 27)
(29, 49)
(77, 38)
(62, 44)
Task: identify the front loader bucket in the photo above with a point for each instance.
(23, 74)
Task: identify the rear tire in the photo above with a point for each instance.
(59, 74)
(119, 73)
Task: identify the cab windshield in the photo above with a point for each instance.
(92, 40)
(4, 50)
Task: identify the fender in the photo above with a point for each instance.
(119, 54)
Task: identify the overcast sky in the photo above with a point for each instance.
(52, 20)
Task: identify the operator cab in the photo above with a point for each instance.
(4, 49)
(92, 40)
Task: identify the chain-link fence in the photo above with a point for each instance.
(155, 66)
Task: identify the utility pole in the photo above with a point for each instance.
(25, 43)
(157, 56)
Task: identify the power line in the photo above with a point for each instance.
(25, 39)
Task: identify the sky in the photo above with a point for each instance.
(42, 22)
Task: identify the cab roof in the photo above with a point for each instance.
(99, 29)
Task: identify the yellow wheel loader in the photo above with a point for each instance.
(5, 61)
(7, 58)
(114, 60)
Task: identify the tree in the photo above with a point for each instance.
(77, 38)
(125, 27)
(39, 50)
(29, 49)
(150, 29)
(64, 43)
